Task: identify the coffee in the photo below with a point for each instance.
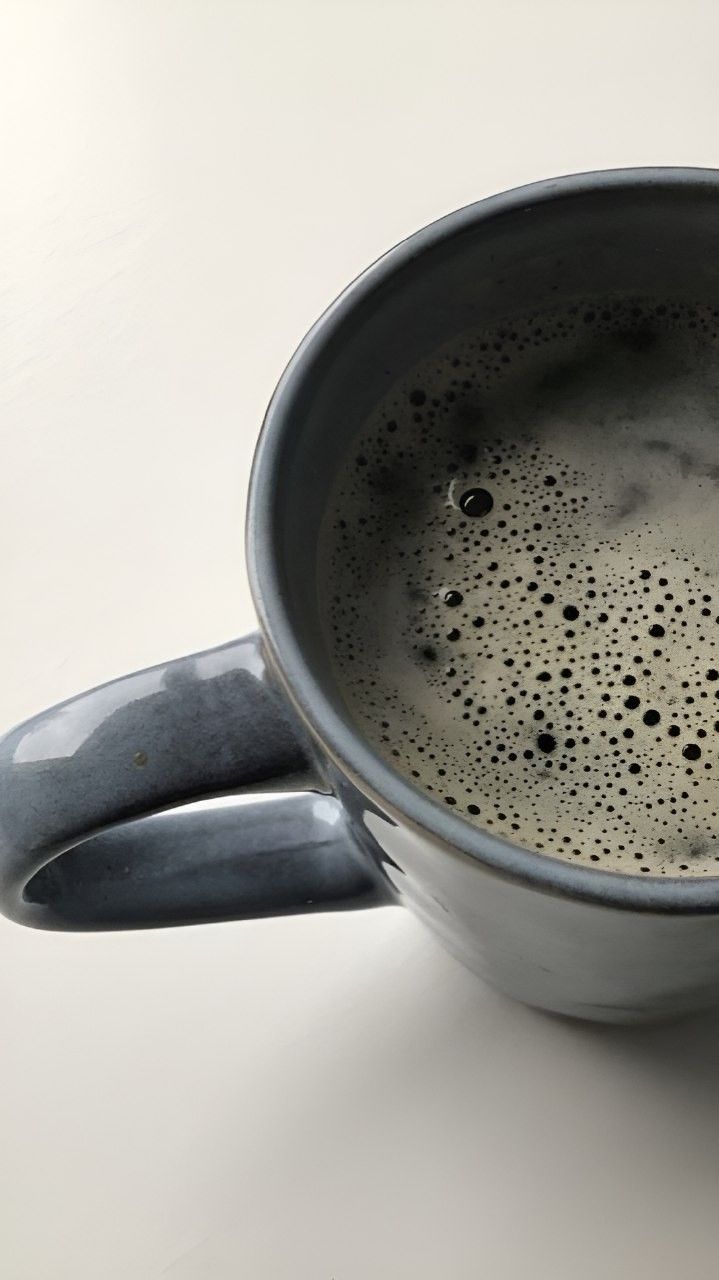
(520, 579)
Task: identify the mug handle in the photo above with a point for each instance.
(92, 832)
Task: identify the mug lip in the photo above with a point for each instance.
(344, 742)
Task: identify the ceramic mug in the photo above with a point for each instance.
(233, 784)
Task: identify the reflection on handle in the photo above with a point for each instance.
(99, 821)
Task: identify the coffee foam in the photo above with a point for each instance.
(520, 582)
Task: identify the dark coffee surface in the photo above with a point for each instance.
(521, 583)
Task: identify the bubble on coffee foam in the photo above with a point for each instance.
(520, 619)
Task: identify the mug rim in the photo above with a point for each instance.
(343, 742)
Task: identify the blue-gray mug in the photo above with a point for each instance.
(233, 784)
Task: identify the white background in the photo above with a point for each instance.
(185, 186)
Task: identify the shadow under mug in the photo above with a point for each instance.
(233, 784)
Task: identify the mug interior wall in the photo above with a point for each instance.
(656, 240)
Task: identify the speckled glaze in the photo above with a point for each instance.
(137, 803)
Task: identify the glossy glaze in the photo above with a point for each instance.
(208, 725)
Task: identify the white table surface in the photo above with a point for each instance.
(185, 185)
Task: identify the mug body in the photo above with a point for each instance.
(572, 939)
(585, 957)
